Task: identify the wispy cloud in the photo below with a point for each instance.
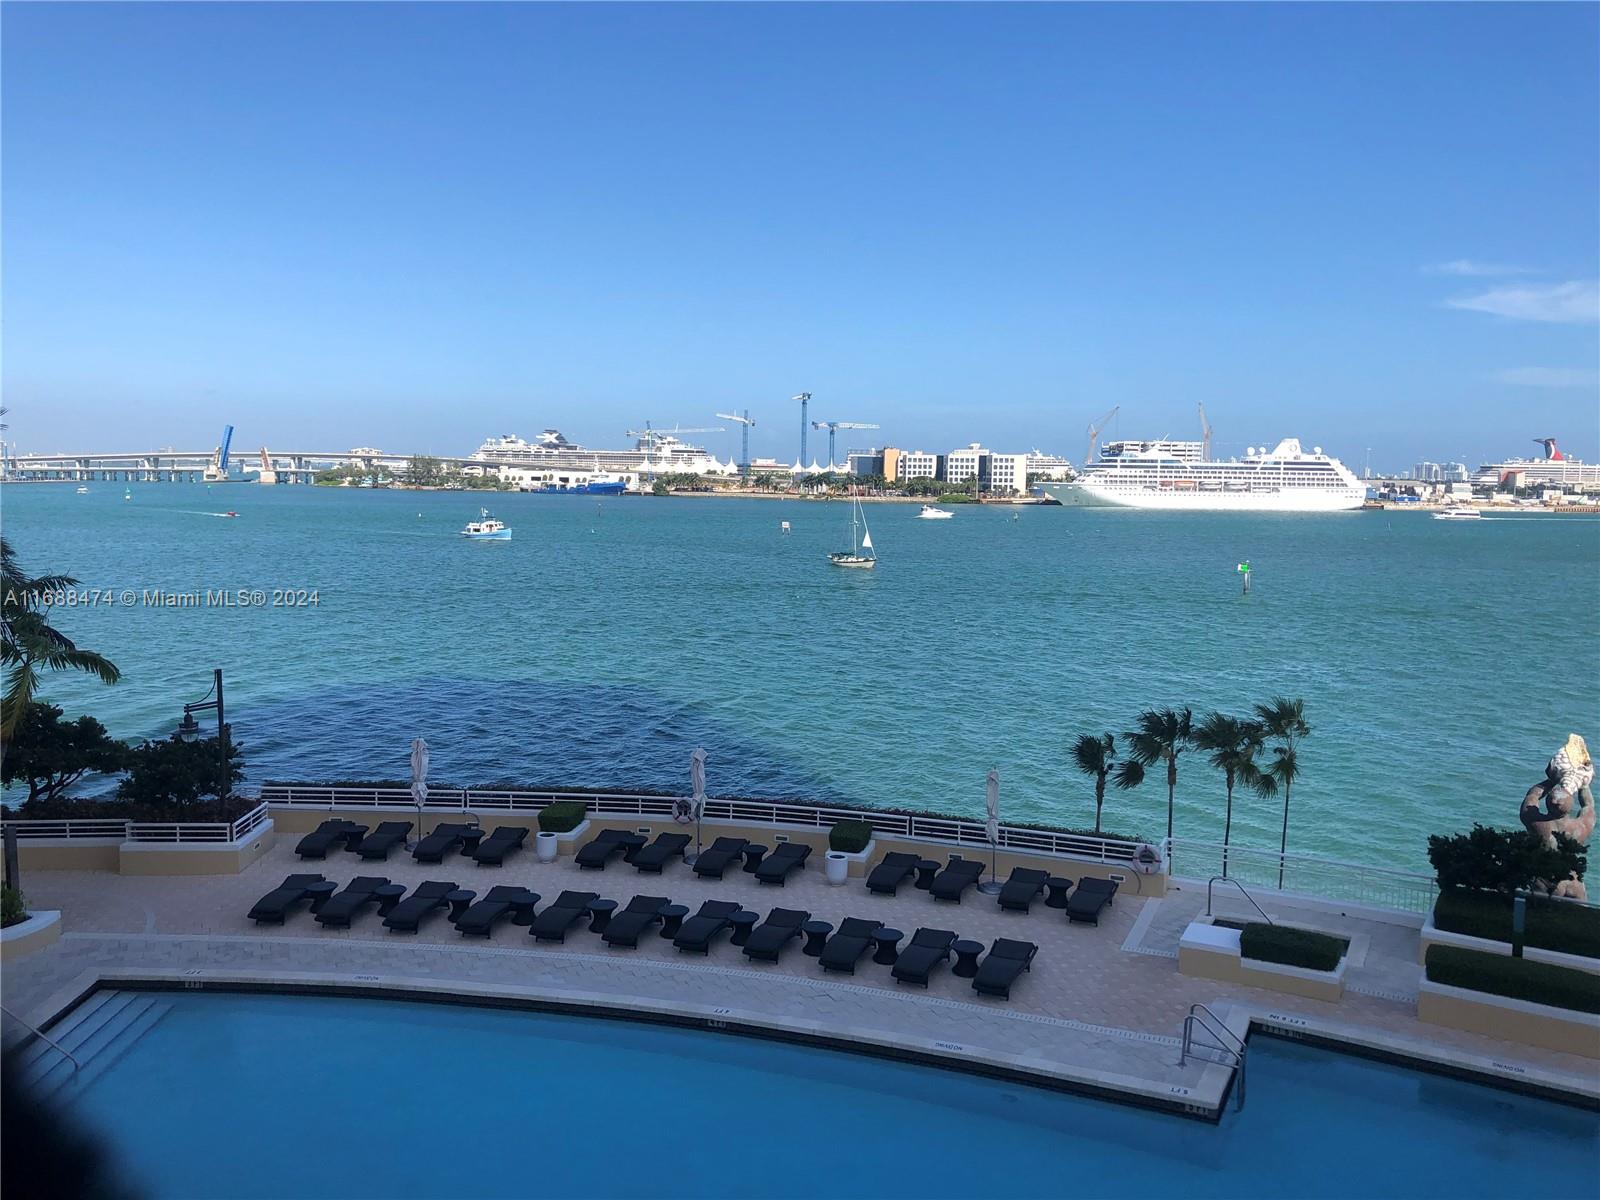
(1471, 267)
(1550, 377)
(1576, 302)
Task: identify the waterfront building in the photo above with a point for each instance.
(865, 462)
(917, 464)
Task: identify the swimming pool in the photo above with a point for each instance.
(237, 1095)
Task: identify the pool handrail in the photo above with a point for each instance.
(44, 1037)
(1226, 879)
(1227, 1042)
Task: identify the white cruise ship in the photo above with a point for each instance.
(1554, 469)
(1175, 475)
(661, 452)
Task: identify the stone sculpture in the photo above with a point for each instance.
(1564, 801)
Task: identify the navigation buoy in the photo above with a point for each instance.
(1244, 571)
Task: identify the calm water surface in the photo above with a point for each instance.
(1441, 663)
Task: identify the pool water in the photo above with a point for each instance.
(303, 1096)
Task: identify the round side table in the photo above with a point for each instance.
(672, 919)
(966, 957)
(816, 937)
(743, 922)
(926, 870)
(1058, 888)
(459, 901)
(319, 893)
(753, 854)
(600, 914)
(887, 941)
(388, 896)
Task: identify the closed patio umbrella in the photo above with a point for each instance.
(697, 784)
(419, 778)
(991, 829)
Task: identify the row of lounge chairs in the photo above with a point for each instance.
(492, 851)
(1025, 884)
(1006, 960)
(712, 863)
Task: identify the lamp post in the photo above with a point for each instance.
(189, 729)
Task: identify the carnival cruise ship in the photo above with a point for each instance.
(1176, 475)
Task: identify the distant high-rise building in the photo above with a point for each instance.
(1427, 472)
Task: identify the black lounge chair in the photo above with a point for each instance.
(849, 942)
(959, 874)
(376, 845)
(499, 902)
(492, 851)
(277, 904)
(330, 835)
(426, 898)
(928, 948)
(775, 867)
(344, 906)
(1006, 960)
(658, 853)
(441, 841)
(1089, 898)
(1021, 887)
(724, 852)
(768, 939)
(558, 918)
(894, 870)
(696, 934)
(629, 925)
(606, 845)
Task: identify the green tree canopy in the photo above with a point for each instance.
(50, 755)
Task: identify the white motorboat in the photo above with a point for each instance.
(930, 513)
(486, 528)
(1458, 512)
(83, 491)
(861, 553)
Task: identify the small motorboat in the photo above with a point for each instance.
(486, 528)
(1458, 512)
(930, 513)
(83, 491)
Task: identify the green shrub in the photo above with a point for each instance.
(561, 817)
(1502, 860)
(1561, 925)
(1292, 947)
(1515, 978)
(850, 837)
(13, 908)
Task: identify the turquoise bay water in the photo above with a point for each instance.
(277, 1096)
(1441, 663)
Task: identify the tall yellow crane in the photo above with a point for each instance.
(1094, 433)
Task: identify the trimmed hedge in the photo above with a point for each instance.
(13, 908)
(1561, 925)
(562, 817)
(1514, 978)
(850, 837)
(1292, 947)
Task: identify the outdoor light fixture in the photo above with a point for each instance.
(189, 728)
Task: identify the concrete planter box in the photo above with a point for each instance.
(855, 864)
(37, 932)
(1508, 1019)
(1208, 951)
(567, 843)
(1434, 936)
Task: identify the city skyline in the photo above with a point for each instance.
(421, 227)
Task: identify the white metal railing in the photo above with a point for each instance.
(1308, 875)
(172, 832)
(958, 831)
(1224, 1041)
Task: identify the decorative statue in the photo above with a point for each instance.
(1547, 809)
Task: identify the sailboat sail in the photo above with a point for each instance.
(866, 541)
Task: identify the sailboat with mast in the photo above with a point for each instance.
(861, 553)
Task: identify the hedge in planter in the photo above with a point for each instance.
(13, 909)
(1558, 925)
(1514, 978)
(1292, 947)
(562, 817)
(849, 837)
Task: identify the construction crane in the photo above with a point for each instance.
(744, 439)
(805, 401)
(1205, 435)
(1094, 433)
(833, 428)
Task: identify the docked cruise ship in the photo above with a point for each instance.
(659, 452)
(1176, 475)
(1553, 469)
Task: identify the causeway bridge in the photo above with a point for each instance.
(194, 466)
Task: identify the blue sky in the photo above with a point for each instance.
(416, 226)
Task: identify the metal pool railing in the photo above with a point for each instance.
(1308, 875)
(168, 832)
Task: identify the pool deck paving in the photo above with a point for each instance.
(1101, 1011)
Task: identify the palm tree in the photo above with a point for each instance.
(28, 642)
(1284, 721)
(1233, 745)
(1162, 735)
(1097, 756)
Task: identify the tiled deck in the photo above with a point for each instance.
(1102, 1008)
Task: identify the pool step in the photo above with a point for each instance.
(97, 1034)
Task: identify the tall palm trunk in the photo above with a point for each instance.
(1172, 787)
(1227, 825)
(1283, 845)
(1099, 798)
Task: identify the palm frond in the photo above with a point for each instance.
(1129, 774)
